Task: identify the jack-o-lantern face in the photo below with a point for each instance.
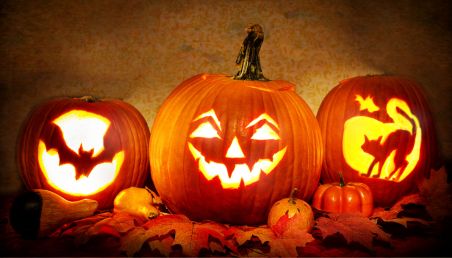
(384, 150)
(83, 133)
(226, 150)
(233, 166)
(84, 148)
(377, 130)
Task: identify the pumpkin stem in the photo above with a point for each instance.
(89, 99)
(341, 180)
(292, 195)
(248, 56)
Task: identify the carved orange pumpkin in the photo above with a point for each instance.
(226, 149)
(344, 198)
(83, 148)
(377, 130)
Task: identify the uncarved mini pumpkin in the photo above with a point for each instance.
(344, 198)
(295, 209)
(226, 148)
(378, 130)
(136, 201)
(84, 148)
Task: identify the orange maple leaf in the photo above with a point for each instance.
(286, 245)
(353, 227)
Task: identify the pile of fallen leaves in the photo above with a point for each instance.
(416, 225)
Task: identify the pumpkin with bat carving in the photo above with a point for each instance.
(226, 148)
(378, 130)
(84, 148)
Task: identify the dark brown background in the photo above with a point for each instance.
(140, 50)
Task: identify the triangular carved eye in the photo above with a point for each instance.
(205, 130)
(265, 132)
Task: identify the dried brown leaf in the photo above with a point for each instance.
(243, 234)
(404, 221)
(162, 245)
(203, 236)
(285, 245)
(155, 229)
(76, 227)
(121, 222)
(396, 213)
(134, 240)
(353, 227)
(289, 228)
(438, 194)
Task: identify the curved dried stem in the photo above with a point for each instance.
(248, 57)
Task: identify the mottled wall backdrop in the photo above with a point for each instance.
(140, 50)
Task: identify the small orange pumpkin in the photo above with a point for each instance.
(136, 201)
(295, 209)
(344, 198)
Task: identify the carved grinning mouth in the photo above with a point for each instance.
(241, 172)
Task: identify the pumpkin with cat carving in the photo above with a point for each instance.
(379, 131)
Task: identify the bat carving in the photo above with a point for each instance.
(83, 160)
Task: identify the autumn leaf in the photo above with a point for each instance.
(165, 232)
(91, 232)
(287, 227)
(201, 236)
(438, 195)
(163, 245)
(121, 222)
(112, 225)
(75, 231)
(285, 245)
(155, 230)
(77, 226)
(418, 210)
(282, 225)
(415, 199)
(409, 209)
(399, 206)
(166, 220)
(243, 234)
(137, 237)
(353, 227)
(134, 240)
(406, 220)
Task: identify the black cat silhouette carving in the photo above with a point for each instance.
(401, 141)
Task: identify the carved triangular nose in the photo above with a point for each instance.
(234, 150)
